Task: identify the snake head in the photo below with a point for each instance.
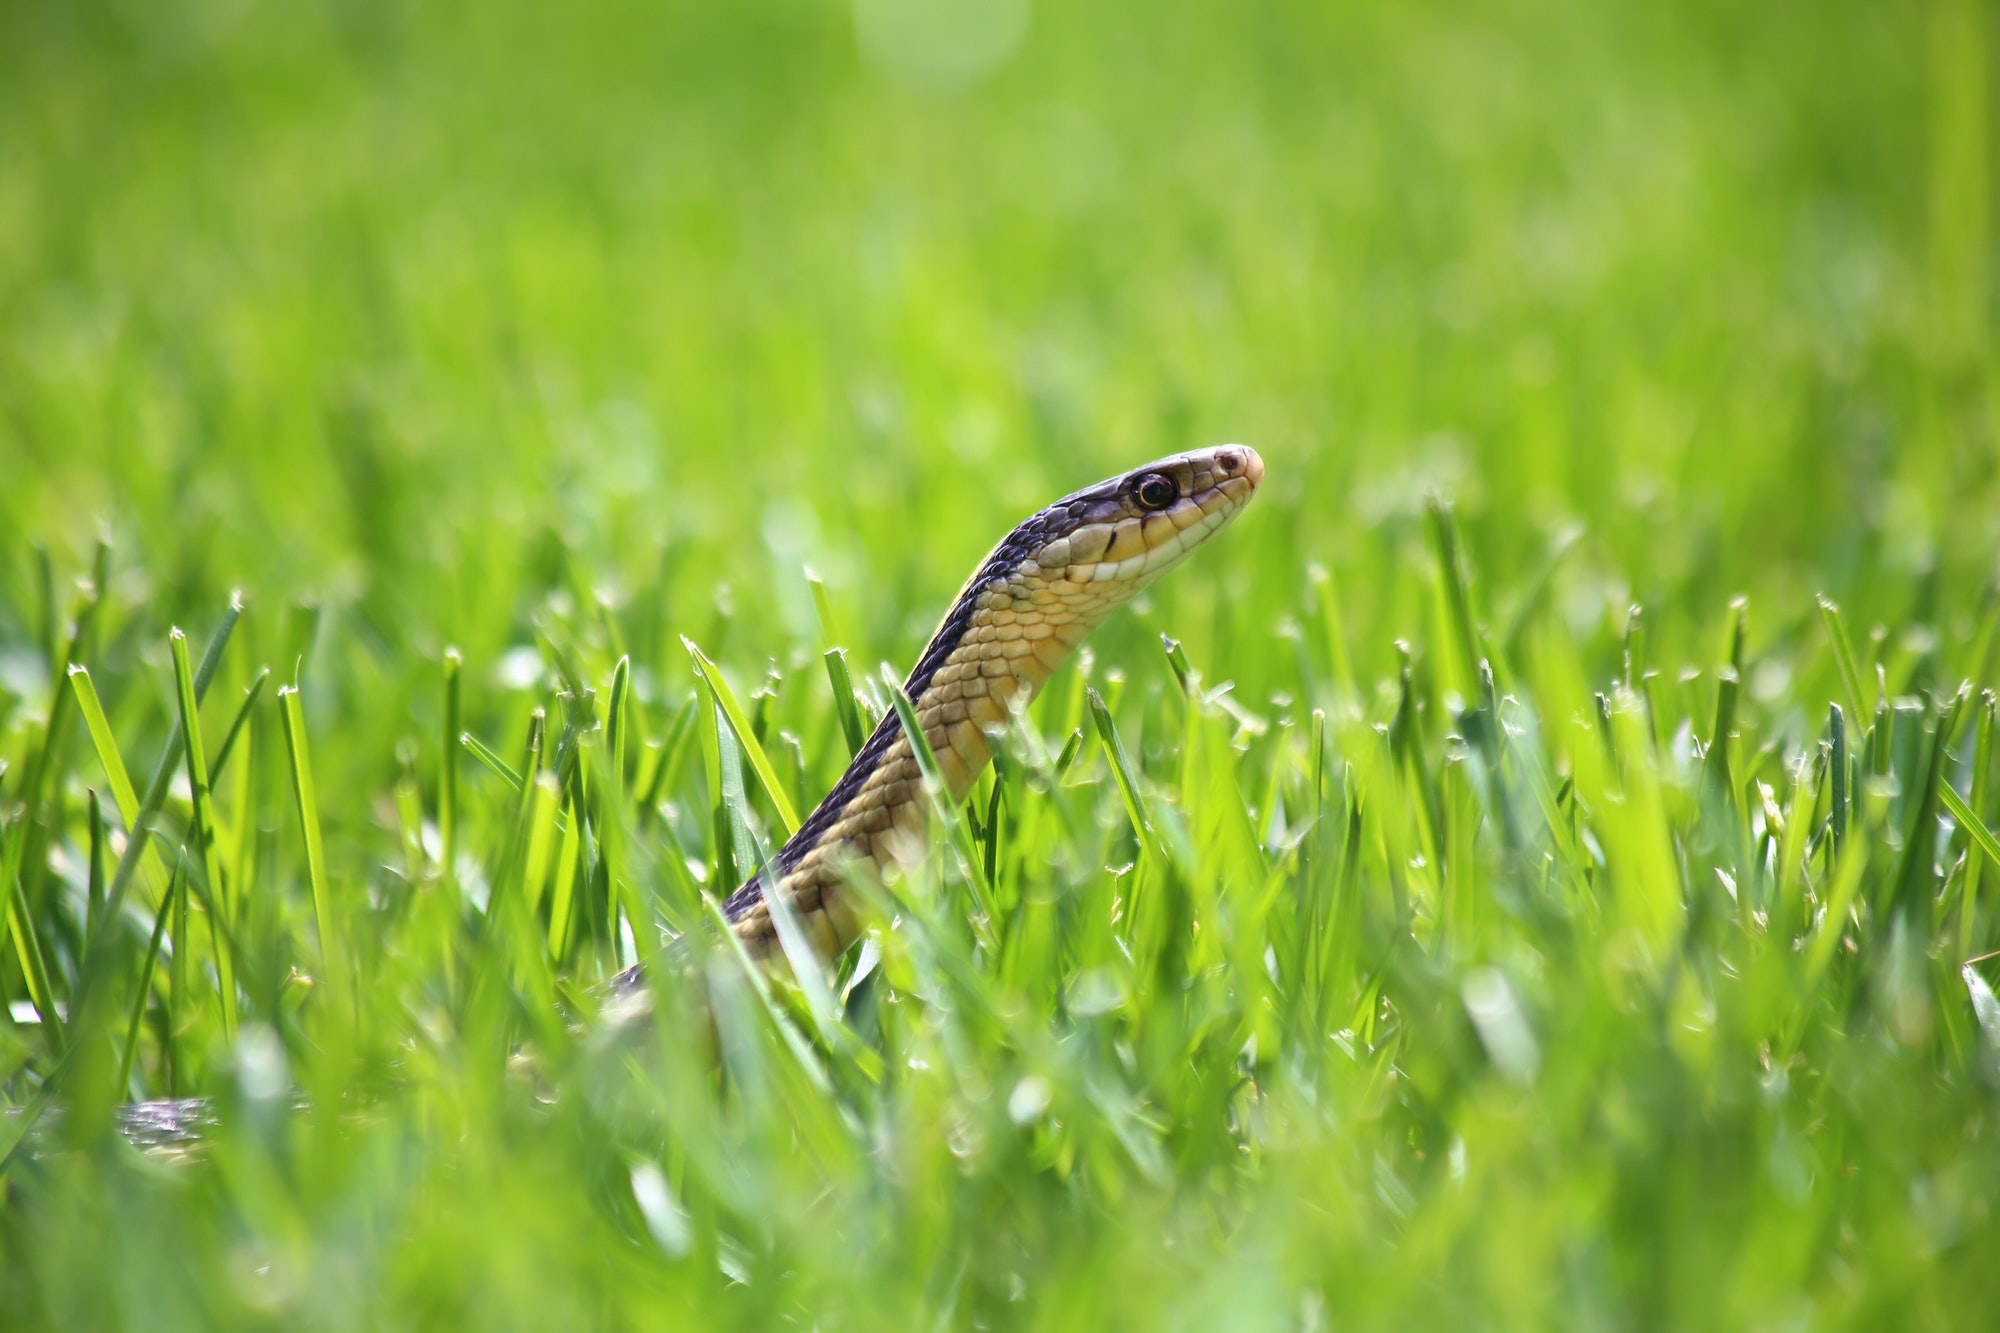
(1133, 528)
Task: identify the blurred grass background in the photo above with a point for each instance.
(431, 326)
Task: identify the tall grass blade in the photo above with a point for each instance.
(1839, 767)
(1843, 656)
(844, 705)
(176, 886)
(305, 797)
(126, 799)
(203, 831)
(1442, 529)
(251, 694)
(746, 736)
(1982, 763)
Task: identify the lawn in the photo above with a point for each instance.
(1533, 870)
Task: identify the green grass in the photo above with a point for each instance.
(1488, 954)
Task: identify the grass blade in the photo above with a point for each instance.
(542, 809)
(493, 762)
(1128, 785)
(106, 745)
(829, 633)
(1843, 656)
(251, 694)
(1836, 725)
(306, 800)
(844, 705)
(942, 807)
(569, 862)
(176, 885)
(1442, 529)
(1974, 826)
(809, 970)
(203, 829)
(94, 895)
(1982, 760)
(746, 737)
(122, 794)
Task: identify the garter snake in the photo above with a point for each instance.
(1030, 602)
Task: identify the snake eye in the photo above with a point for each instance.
(1156, 491)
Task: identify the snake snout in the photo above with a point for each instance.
(1240, 460)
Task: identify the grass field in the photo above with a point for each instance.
(1564, 918)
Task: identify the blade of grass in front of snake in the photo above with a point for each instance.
(1128, 787)
(943, 808)
(788, 1032)
(846, 707)
(809, 971)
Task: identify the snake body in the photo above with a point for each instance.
(1031, 601)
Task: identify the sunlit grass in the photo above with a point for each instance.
(1530, 870)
